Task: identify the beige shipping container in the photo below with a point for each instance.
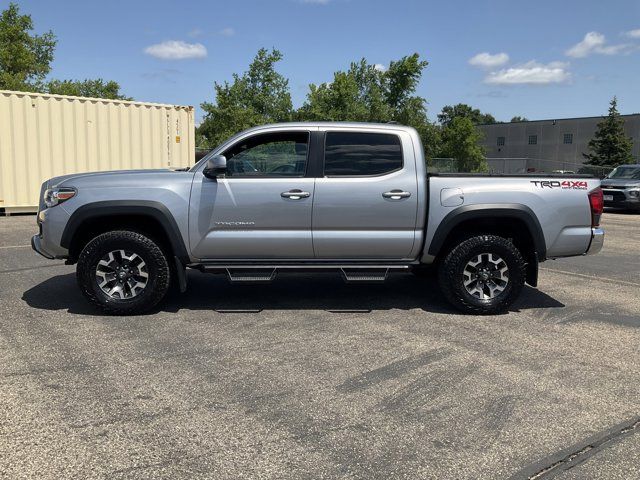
(43, 136)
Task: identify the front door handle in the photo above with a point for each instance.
(295, 194)
(396, 194)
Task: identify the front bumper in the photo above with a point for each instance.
(620, 199)
(36, 244)
(597, 241)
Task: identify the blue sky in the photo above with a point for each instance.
(542, 59)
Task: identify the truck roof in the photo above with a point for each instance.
(390, 126)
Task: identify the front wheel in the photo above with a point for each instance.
(482, 275)
(123, 272)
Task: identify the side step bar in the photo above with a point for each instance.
(253, 275)
(358, 273)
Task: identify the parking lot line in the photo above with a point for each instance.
(591, 277)
(14, 246)
(36, 267)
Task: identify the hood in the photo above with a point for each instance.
(619, 182)
(68, 179)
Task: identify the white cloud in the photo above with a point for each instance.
(227, 32)
(196, 32)
(487, 60)
(380, 67)
(595, 42)
(633, 33)
(531, 73)
(176, 50)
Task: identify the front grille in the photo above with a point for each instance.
(617, 195)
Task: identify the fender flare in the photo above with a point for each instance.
(490, 211)
(114, 208)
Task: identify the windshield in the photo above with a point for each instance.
(626, 172)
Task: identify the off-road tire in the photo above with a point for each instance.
(451, 278)
(156, 262)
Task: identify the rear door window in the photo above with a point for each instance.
(361, 154)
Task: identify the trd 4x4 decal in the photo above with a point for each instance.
(563, 184)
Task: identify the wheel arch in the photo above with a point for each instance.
(513, 220)
(144, 216)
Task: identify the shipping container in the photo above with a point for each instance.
(43, 136)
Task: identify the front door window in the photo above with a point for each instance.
(269, 155)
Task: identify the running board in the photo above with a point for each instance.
(251, 275)
(221, 267)
(264, 273)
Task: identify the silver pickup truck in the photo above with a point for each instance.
(351, 197)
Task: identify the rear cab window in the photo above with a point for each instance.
(359, 154)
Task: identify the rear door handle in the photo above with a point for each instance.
(295, 194)
(396, 194)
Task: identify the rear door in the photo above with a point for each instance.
(262, 208)
(365, 201)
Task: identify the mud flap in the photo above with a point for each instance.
(532, 270)
(181, 274)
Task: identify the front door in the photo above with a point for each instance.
(262, 208)
(366, 203)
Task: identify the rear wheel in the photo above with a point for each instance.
(123, 272)
(483, 274)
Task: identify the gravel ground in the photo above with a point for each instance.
(310, 378)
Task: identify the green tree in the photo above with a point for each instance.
(98, 88)
(357, 95)
(465, 111)
(461, 141)
(610, 145)
(25, 58)
(518, 118)
(25, 61)
(258, 96)
(368, 93)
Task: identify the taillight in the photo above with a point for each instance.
(596, 200)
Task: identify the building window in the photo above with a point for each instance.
(533, 139)
(500, 141)
(568, 138)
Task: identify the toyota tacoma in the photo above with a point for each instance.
(355, 198)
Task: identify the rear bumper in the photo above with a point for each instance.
(597, 241)
(36, 244)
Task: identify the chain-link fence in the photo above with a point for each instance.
(442, 165)
(521, 165)
(540, 165)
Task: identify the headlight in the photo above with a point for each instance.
(54, 196)
(634, 193)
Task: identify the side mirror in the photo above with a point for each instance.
(216, 167)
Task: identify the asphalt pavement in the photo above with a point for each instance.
(308, 377)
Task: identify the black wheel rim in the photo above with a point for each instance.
(485, 276)
(122, 274)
